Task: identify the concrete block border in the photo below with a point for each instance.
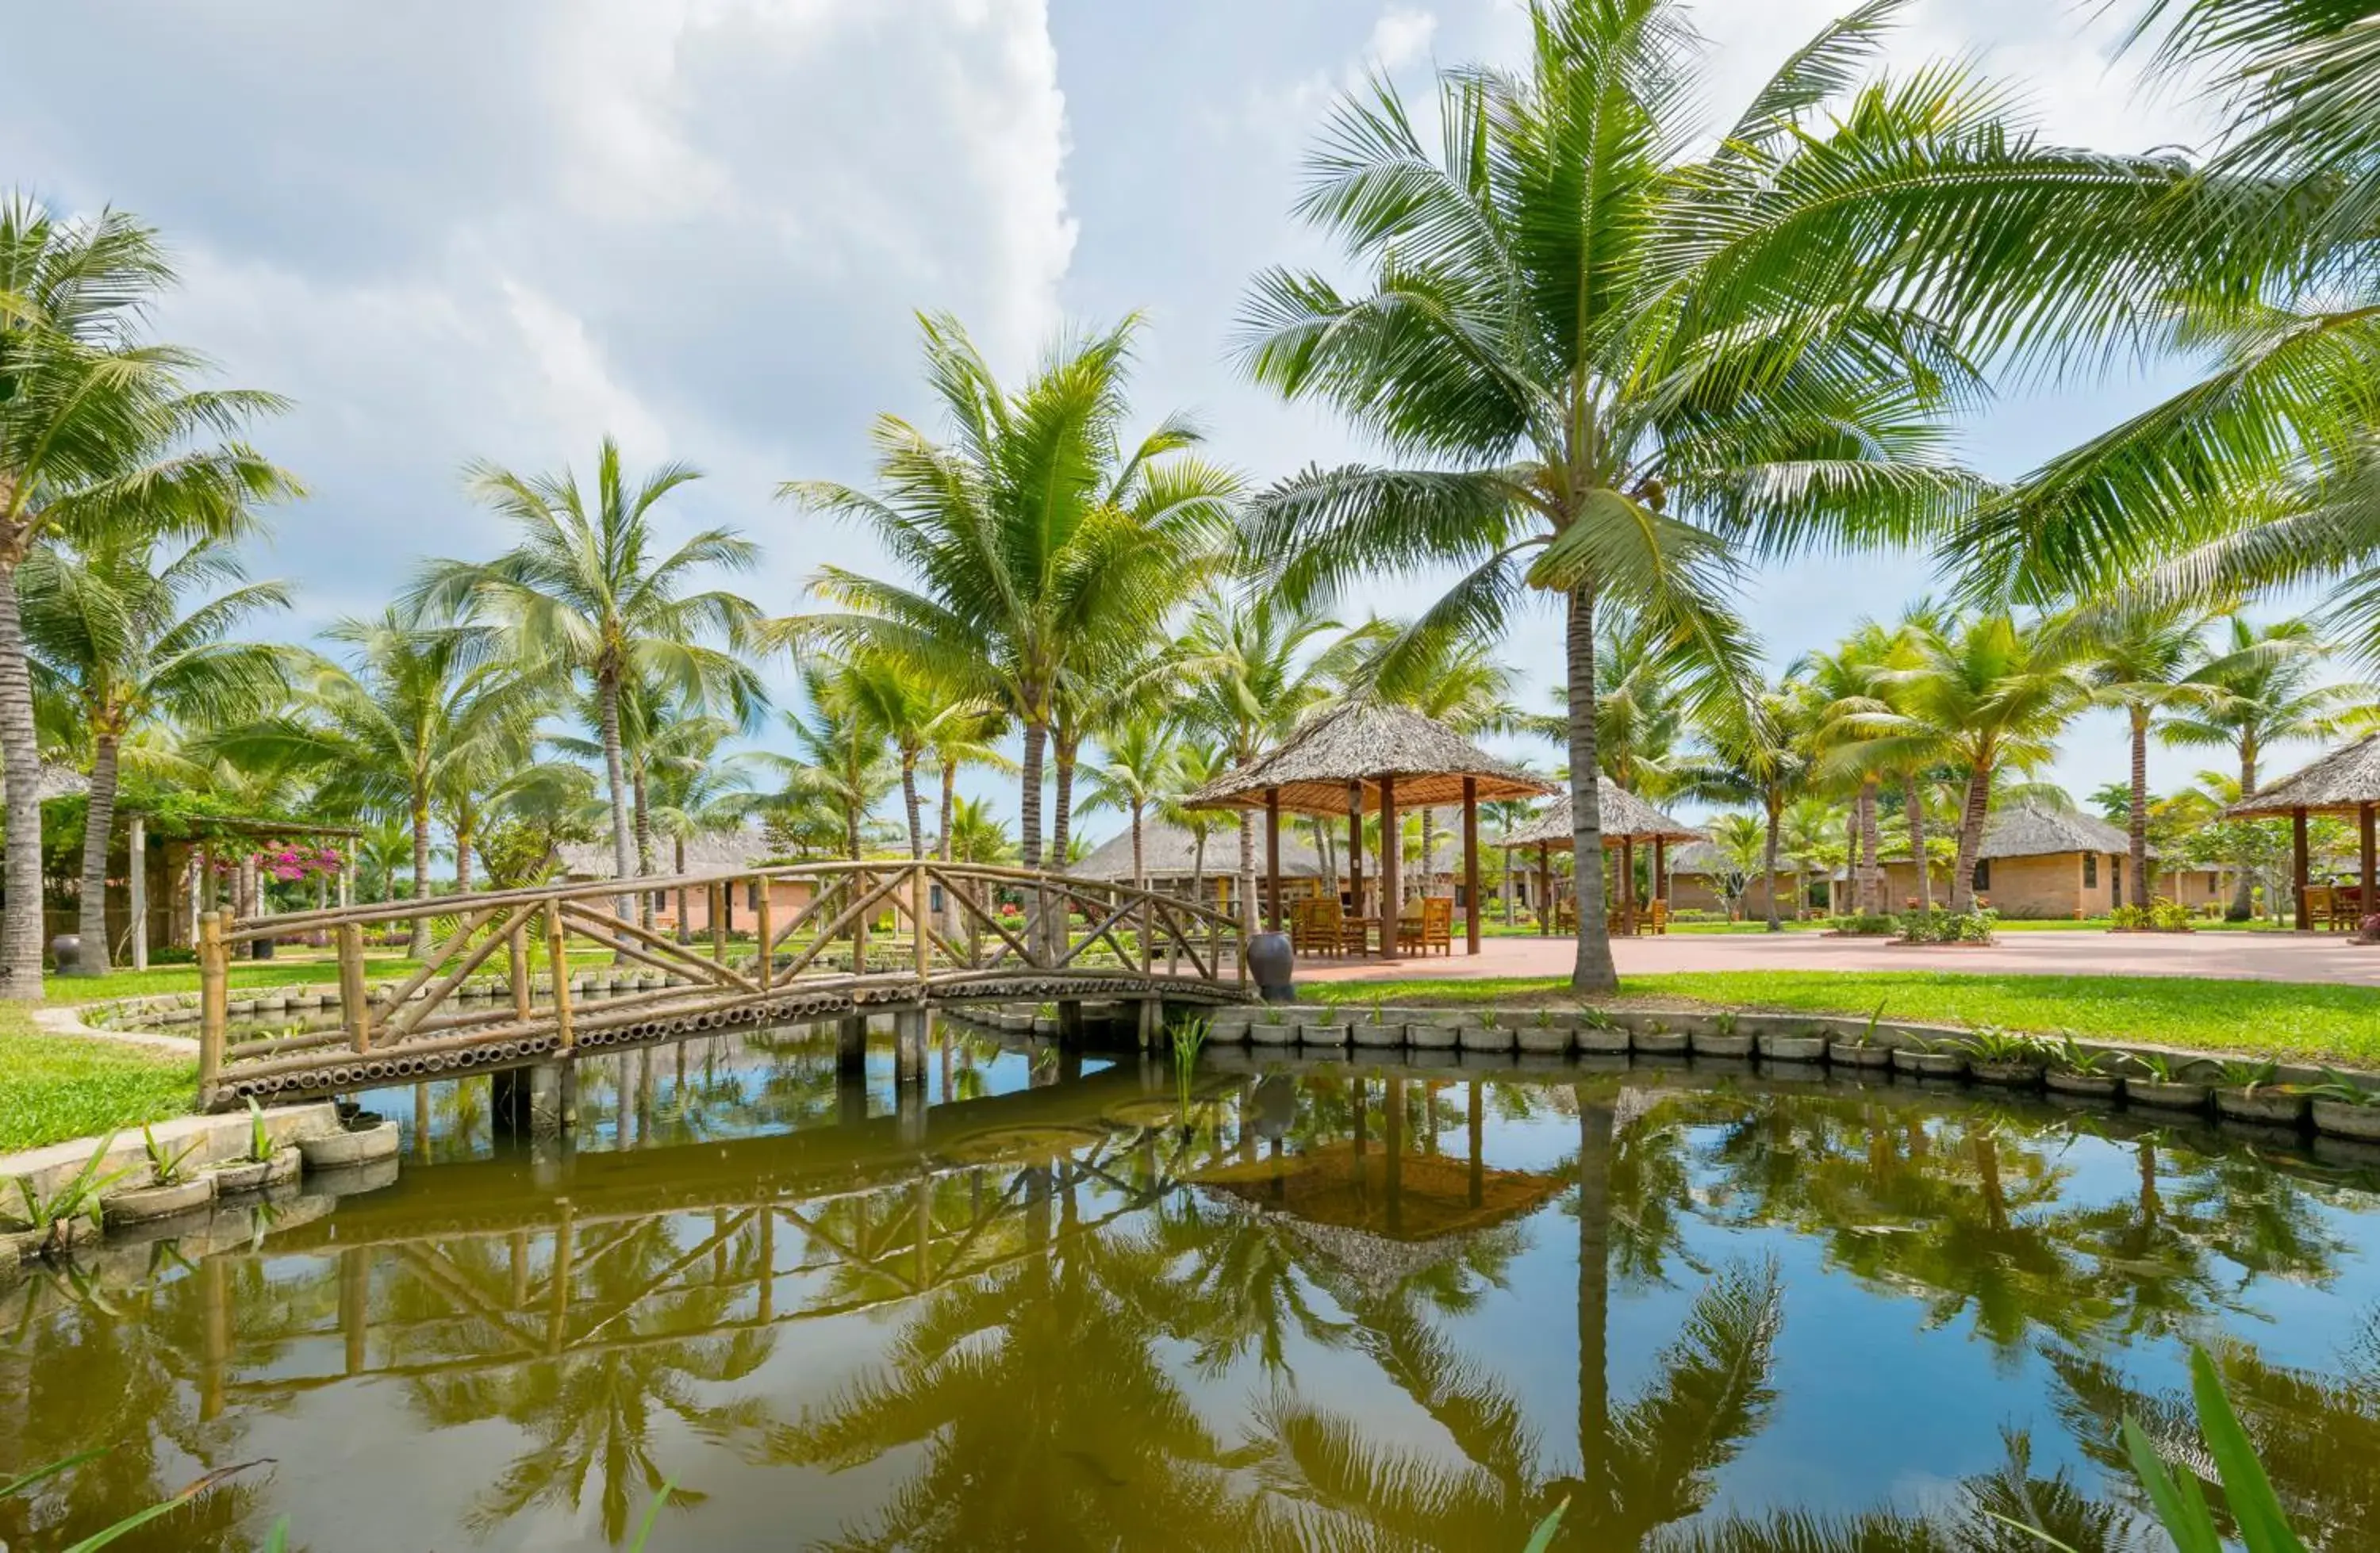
(1923, 1052)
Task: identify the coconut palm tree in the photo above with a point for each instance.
(976, 835)
(2140, 660)
(130, 631)
(1843, 679)
(1040, 542)
(587, 592)
(1760, 753)
(1253, 672)
(1133, 778)
(840, 758)
(1197, 762)
(1617, 365)
(697, 792)
(99, 429)
(1983, 695)
(901, 702)
(388, 731)
(2265, 689)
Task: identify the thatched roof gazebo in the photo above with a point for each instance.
(1359, 757)
(1627, 820)
(2345, 781)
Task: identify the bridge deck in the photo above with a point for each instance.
(927, 934)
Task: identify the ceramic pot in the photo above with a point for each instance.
(1659, 1043)
(1432, 1037)
(1793, 1048)
(1928, 1064)
(1851, 1054)
(240, 1175)
(1711, 1043)
(2088, 1086)
(1605, 1041)
(1377, 1034)
(2006, 1075)
(1271, 1032)
(1323, 1032)
(338, 1151)
(1544, 1040)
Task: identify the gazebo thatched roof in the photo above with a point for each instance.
(1624, 814)
(2340, 783)
(1359, 742)
(1169, 852)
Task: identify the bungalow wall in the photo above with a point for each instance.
(786, 899)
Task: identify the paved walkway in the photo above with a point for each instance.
(2244, 956)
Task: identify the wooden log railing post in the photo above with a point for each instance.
(354, 999)
(919, 896)
(861, 883)
(718, 907)
(214, 999)
(765, 925)
(558, 956)
(136, 848)
(516, 969)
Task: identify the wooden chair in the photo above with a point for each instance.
(1431, 926)
(2321, 905)
(1319, 927)
(1656, 917)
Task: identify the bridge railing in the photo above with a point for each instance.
(938, 928)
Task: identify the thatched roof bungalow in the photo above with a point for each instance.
(2346, 782)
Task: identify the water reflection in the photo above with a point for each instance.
(1326, 1306)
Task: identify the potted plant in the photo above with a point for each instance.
(1722, 1037)
(1375, 1029)
(174, 1187)
(1806, 1045)
(1545, 1033)
(2005, 1059)
(2251, 1091)
(2344, 1108)
(2164, 1083)
(1488, 1032)
(1862, 1049)
(1272, 1026)
(53, 1220)
(1438, 1032)
(364, 1138)
(2076, 1071)
(1326, 1025)
(1599, 1033)
(1943, 1059)
(262, 1165)
(1654, 1039)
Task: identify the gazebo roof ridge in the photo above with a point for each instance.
(1358, 742)
(1624, 814)
(2341, 781)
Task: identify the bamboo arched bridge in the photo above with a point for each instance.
(825, 941)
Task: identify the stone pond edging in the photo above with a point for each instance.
(215, 1151)
(1799, 1042)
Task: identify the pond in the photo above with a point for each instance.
(1321, 1305)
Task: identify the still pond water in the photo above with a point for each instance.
(1326, 1306)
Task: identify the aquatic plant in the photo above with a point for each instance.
(1723, 1022)
(2161, 1066)
(2071, 1056)
(1188, 1037)
(1489, 1019)
(2339, 1087)
(171, 1166)
(2248, 1076)
(49, 1214)
(1867, 1035)
(259, 1137)
(1543, 1019)
(1997, 1044)
(1596, 1018)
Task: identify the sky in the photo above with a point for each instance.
(454, 231)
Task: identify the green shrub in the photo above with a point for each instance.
(1872, 926)
(1948, 926)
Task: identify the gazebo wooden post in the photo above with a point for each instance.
(1391, 843)
(1471, 864)
(1661, 877)
(2297, 868)
(136, 858)
(1272, 857)
(2364, 825)
(1545, 890)
(1355, 850)
(1628, 885)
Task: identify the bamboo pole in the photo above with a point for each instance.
(214, 998)
(558, 954)
(355, 1000)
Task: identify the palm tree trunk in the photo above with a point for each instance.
(644, 845)
(951, 917)
(1139, 859)
(417, 945)
(1028, 801)
(1775, 819)
(616, 777)
(1428, 848)
(677, 866)
(1914, 799)
(20, 760)
(1061, 821)
(1970, 838)
(916, 814)
(467, 831)
(1509, 891)
(1594, 1296)
(99, 826)
(1247, 878)
(2139, 828)
(2243, 892)
(1591, 968)
(1872, 844)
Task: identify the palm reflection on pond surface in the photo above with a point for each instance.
(1324, 1306)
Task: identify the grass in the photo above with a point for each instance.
(2273, 1018)
(55, 1087)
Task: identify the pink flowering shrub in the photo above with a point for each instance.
(290, 863)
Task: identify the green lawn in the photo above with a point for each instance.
(53, 1087)
(2293, 1019)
